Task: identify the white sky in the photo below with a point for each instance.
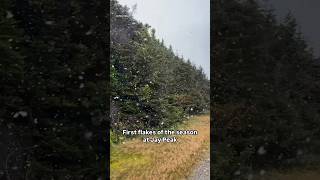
(184, 24)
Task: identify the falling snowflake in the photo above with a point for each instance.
(88, 135)
(89, 32)
(9, 15)
(49, 22)
(20, 113)
(261, 150)
(237, 173)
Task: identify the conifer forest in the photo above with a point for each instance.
(75, 73)
(265, 99)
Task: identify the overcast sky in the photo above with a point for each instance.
(307, 13)
(184, 24)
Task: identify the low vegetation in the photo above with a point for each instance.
(133, 159)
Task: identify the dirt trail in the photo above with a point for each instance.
(202, 170)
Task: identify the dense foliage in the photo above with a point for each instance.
(53, 92)
(151, 86)
(265, 92)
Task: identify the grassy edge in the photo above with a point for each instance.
(120, 158)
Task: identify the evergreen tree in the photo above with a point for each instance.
(61, 80)
(152, 87)
(264, 109)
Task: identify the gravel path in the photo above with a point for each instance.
(202, 171)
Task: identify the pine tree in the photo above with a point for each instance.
(152, 86)
(262, 83)
(60, 77)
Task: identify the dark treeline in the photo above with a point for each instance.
(266, 92)
(54, 85)
(151, 86)
(53, 93)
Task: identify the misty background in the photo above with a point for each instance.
(183, 24)
(306, 13)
